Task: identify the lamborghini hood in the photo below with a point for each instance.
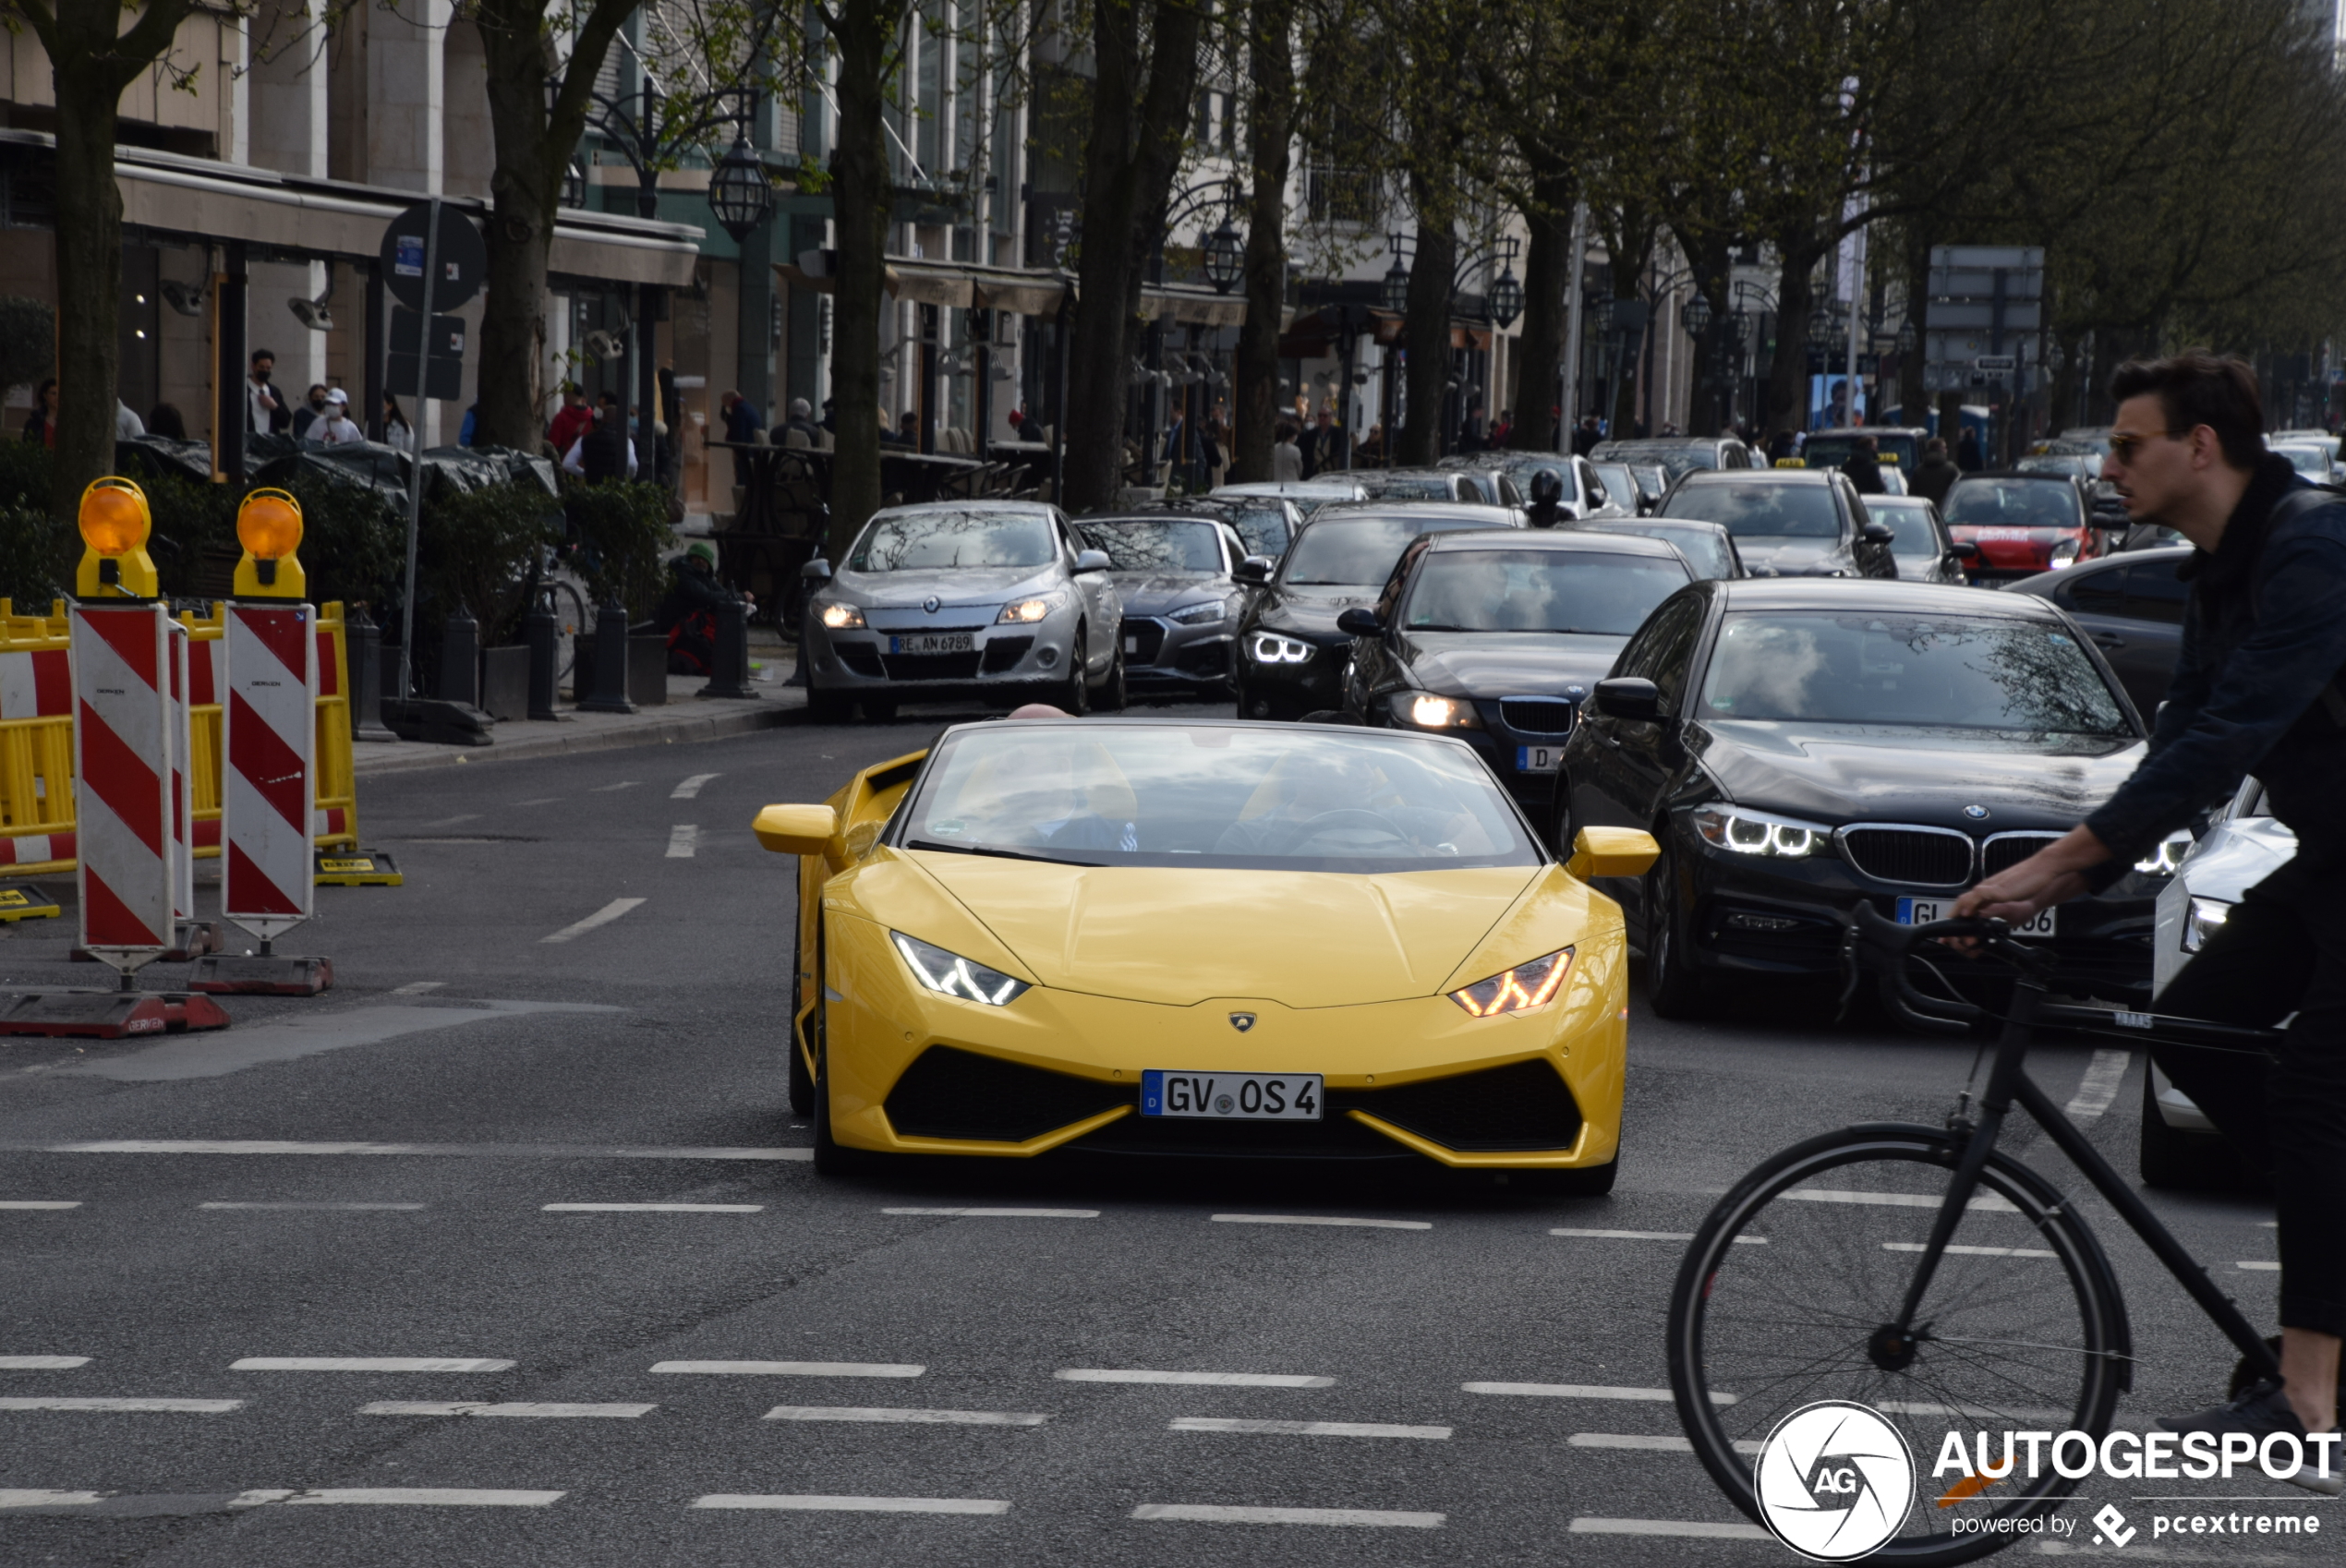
(1306, 939)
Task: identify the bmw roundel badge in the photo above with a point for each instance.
(1976, 814)
(1242, 1021)
(931, 603)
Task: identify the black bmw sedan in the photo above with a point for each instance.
(1290, 655)
(1798, 747)
(1497, 637)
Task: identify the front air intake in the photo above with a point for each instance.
(949, 1092)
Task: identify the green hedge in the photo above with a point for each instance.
(620, 531)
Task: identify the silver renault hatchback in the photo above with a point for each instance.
(987, 599)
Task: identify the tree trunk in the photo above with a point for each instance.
(1547, 271)
(1913, 396)
(1788, 377)
(1128, 171)
(1706, 407)
(1270, 142)
(861, 195)
(1426, 329)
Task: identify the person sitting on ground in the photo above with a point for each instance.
(688, 613)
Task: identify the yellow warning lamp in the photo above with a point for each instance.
(269, 526)
(115, 525)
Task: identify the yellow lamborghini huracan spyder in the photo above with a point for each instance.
(1171, 936)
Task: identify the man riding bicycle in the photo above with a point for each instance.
(2259, 687)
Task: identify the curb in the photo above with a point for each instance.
(411, 756)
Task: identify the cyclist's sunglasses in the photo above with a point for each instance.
(2121, 448)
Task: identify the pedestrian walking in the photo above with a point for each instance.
(396, 430)
(571, 419)
(334, 426)
(1967, 456)
(1287, 462)
(41, 426)
(1934, 474)
(265, 410)
(2260, 690)
(742, 422)
(312, 408)
(1864, 467)
(1586, 435)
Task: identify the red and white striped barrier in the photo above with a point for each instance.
(123, 772)
(269, 767)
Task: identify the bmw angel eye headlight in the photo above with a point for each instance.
(842, 617)
(949, 974)
(1025, 612)
(1269, 647)
(1204, 614)
(1427, 711)
(1518, 990)
(2168, 858)
(2206, 919)
(1748, 832)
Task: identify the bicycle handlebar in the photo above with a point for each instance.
(1882, 946)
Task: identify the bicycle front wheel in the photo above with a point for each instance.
(1790, 1289)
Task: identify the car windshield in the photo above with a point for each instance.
(1409, 487)
(1213, 796)
(1704, 548)
(1537, 590)
(2311, 461)
(1356, 549)
(1154, 547)
(917, 540)
(1910, 522)
(2011, 503)
(1759, 509)
(1907, 671)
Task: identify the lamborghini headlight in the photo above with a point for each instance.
(2206, 919)
(1427, 711)
(949, 974)
(2167, 856)
(1025, 612)
(842, 617)
(1519, 990)
(1749, 832)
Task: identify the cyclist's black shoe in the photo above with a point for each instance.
(2262, 1410)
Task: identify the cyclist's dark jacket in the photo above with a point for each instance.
(2260, 683)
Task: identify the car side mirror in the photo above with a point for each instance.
(1253, 569)
(801, 830)
(1966, 550)
(1878, 532)
(1091, 561)
(1611, 851)
(1359, 621)
(1632, 698)
(815, 571)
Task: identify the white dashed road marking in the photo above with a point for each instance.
(178, 1407)
(683, 839)
(428, 1497)
(1897, 1200)
(1004, 1213)
(369, 1362)
(808, 1503)
(1212, 1514)
(40, 1203)
(608, 789)
(1321, 1220)
(2256, 1268)
(655, 1208)
(1643, 1444)
(690, 788)
(603, 916)
(910, 1418)
(1212, 1380)
(540, 801)
(795, 1368)
(26, 1497)
(476, 1408)
(1304, 1429)
(325, 1208)
(2099, 1086)
(42, 1363)
(1650, 1235)
(1695, 1529)
(1969, 1252)
(452, 821)
(1586, 1391)
(418, 987)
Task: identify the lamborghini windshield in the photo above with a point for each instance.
(1220, 796)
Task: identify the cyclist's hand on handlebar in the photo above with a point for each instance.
(2053, 874)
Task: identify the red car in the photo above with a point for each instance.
(2023, 524)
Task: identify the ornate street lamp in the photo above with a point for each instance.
(573, 192)
(1906, 335)
(1505, 301)
(1394, 296)
(739, 193)
(1600, 305)
(1696, 317)
(1225, 256)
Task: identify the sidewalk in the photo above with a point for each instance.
(684, 717)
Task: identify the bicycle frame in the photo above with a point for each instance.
(2008, 1082)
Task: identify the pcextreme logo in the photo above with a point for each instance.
(1835, 1481)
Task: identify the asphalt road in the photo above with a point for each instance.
(378, 1176)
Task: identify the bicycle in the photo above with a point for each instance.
(1817, 1276)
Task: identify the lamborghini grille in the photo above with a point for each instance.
(949, 1092)
(1523, 1105)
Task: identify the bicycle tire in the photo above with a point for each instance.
(1787, 1322)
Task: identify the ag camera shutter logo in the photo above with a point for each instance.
(1835, 1481)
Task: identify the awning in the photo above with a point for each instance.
(1020, 295)
(337, 218)
(962, 285)
(1200, 308)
